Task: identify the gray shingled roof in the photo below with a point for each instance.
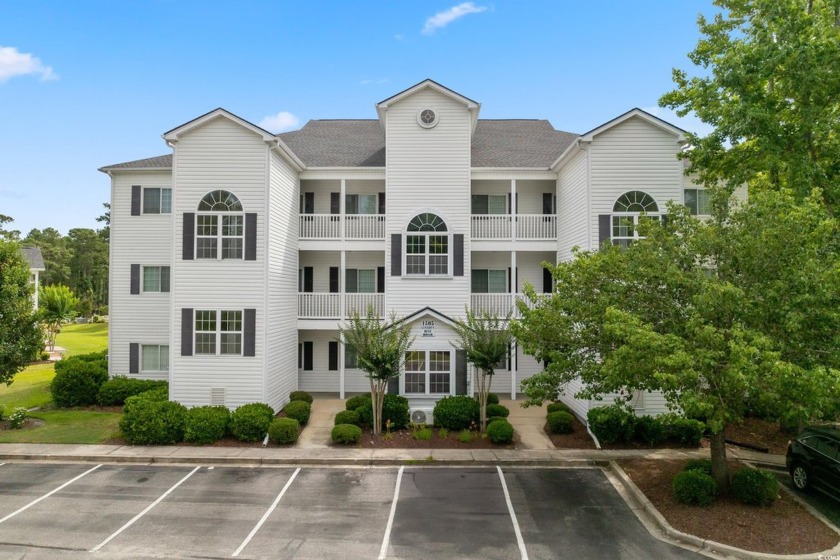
(34, 257)
(361, 143)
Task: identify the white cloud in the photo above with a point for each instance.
(15, 63)
(280, 122)
(442, 19)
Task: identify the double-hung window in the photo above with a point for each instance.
(155, 357)
(156, 279)
(157, 201)
(626, 213)
(360, 281)
(427, 246)
(218, 332)
(219, 227)
(698, 202)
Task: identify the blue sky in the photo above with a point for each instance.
(85, 84)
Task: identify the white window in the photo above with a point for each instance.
(489, 204)
(155, 357)
(361, 204)
(218, 332)
(625, 217)
(220, 234)
(489, 281)
(155, 278)
(157, 201)
(428, 372)
(698, 202)
(427, 246)
(360, 281)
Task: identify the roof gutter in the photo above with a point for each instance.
(563, 159)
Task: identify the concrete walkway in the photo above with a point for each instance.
(317, 434)
(528, 423)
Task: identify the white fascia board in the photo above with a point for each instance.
(640, 114)
(564, 158)
(286, 153)
(328, 173)
(535, 173)
(174, 134)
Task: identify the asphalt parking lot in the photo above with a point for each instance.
(158, 511)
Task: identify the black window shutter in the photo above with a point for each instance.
(460, 372)
(333, 279)
(307, 279)
(333, 361)
(300, 355)
(396, 254)
(136, 191)
(548, 281)
(335, 203)
(189, 236)
(135, 279)
(548, 199)
(603, 228)
(165, 279)
(380, 279)
(351, 204)
(133, 358)
(186, 331)
(382, 203)
(393, 386)
(309, 203)
(351, 281)
(249, 333)
(307, 355)
(250, 237)
(458, 254)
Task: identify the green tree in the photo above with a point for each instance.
(716, 314)
(20, 337)
(768, 82)
(8, 234)
(57, 305)
(487, 340)
(56, 255)
(88, 267)
(380, 350)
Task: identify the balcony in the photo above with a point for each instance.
(330, 306)
(336, 226)
(497, 304)
(540, 227)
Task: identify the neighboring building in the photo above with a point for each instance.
(35, 259)
(235, 258)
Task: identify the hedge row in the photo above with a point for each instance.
(613, 424)
(695, 485)
(78, 379)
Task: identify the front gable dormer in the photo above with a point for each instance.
(428, 85)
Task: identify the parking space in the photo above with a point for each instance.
(156, 511)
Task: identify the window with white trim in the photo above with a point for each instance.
(156, 279)
(218, 332)
(697, 201)
(488, 204)
(154, 357)
(360, 281)
(361, 204)
(219, 227)
(428, 372)
(157, 201)
(489, 281)
(427, 246)
(626, 213)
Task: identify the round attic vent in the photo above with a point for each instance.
(427, 118)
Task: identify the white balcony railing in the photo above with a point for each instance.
(328, 306)
(498, 304)
(528, 226)
(329, 226)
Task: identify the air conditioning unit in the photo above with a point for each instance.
(422, 416)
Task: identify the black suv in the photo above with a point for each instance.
(813, 460)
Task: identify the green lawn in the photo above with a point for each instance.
(67, 426)
(29, 388)
(82, 339)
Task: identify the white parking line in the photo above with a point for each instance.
(522, 552)
(48, 494)
(144, 512)
(265, 515)
(383, 552)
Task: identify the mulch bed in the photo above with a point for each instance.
(760, 432)
(578, 439)
(783, 528)
(402, 439)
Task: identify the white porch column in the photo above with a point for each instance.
(341, 302)
(513, 209)
(513, 290)
(341, 369)
(341, 209)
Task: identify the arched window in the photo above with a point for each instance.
(219, 226)
(427, 246)
(625, 216)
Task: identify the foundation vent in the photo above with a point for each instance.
(217, 396)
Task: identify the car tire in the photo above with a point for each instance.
(800, 475)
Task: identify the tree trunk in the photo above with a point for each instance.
(720, 470)
(376, 404)
(482, 401)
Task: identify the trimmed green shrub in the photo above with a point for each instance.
(560, 422)
(206, 424)
(754, 487)
(649, 430)
(347, 417)
(284, 430)
(299, 410)
(497, 410)
(500, 432)
(612, 424)
(702, 465)
(557, 407)
(250, 422)
(456, 412)
(45, 356)
(492, 398)
(394, 408)
(694, 488)
(346, 433)
(154, 422)
(683, 430)
(160, 394)
(78, 379)
(114, 391)
(355, 402)
(495, 418)
(300, 396)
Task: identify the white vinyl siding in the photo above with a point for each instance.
(573, 222)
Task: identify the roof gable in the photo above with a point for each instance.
(472, 106)
(175, 134)
(34, 258)
(677, 132)
(427, 312)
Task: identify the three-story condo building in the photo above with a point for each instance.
(235, 258)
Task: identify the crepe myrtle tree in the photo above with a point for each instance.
(380, 350)
(716, 314)
(20, 337)
(57, 306)
(486, 340)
